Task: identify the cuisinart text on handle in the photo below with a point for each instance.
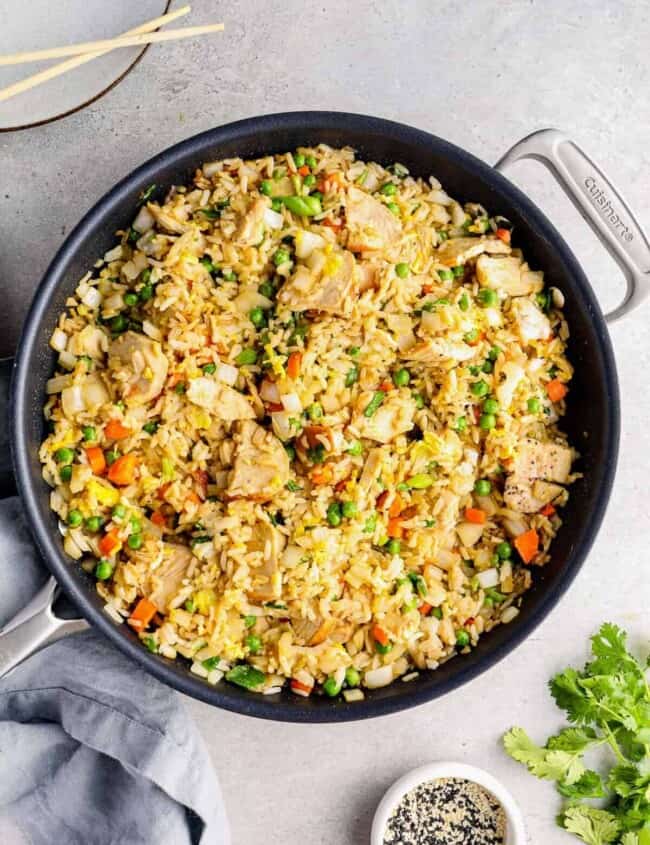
(599, 199)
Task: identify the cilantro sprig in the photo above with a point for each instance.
(608, 703)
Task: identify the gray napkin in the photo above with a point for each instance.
(93, 751)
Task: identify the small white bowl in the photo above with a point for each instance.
(515, 830)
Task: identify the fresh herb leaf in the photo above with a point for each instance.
(595, 827)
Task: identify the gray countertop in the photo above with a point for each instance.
(482, 75)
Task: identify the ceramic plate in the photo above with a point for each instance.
(38, 24)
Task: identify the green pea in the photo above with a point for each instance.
(401, 377)
(504, 550)
(488, 297)
(89, 433)
(64, 456)
(462, 638)
(354, 351)
(309, 180)
(491, 406)
(543, 300)
(118, 324)
(349, 509)
(311, 161)
(103, 570)
(487, 422)
(130, 299)
(494, 353)
(482, 487)
(402, 270)
(446, 275)
(388, 190)
(383, 649)
(331, 688)
(334, 514)
(487, 367)
(315, 411)
(75, 518)
(463, 302)
(352, 677)
(180, 388)
(374, 403)
(299, 159)
(479, 388)
(533, 405)
(118, 512)
(461, 424)
(257, 318)
(393, 546)
(93, 524)
(253, 643)
(246, 356)
(150, 427)
(393, 207)
(229, 276)
(458, 270)
(65, 473)
(276, 204)
(356, 448)
(419, 401)
(134, 541)
(281, 256)
(146, 293)
(189, 606)
(352, 376)
(249, 621)
(471, 336)
(209, 369)
(135, 524)
(266, 188)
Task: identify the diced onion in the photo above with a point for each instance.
(469, 533)
(58, 383)
(198, 669)
(269, 391)
(114, 302)
(227, 374)
(212, 167)
(273, 219)
(67, 360)
(72, 400)
(130, 270)
(144, 220)
(306, 243)
(59, 340)
(509, 614)
(440, 197)
(488, 578)
(92, 298)
(113, 254)
(291, 402)
(151, 330)
(353, 695)
(515, 526)
(280, 420)
(381, 677)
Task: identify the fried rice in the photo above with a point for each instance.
(304, 426)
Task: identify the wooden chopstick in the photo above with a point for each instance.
(111, 44)
(56, 70)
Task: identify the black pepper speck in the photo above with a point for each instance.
(447, 811)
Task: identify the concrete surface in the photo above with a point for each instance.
(482, 75)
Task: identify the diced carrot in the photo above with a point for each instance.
(123, 470)
(320, 186)
(503, 235)
(293, 365)
(114, 430)
(547, 510)
(142, 615)
(193, 497)
(109, 543)
(425, 608)
(299, 687)
(158, 518)
(394, 528)
(427, 288)
(274, 407)
(335, 177)
(336, 225)
(160, 492)
(386, 386)
(397, 506)
(321, 474)
(527, 544)
(379, 635)
(304, 170)
(96, 459)
(475, 515)
(556, 390)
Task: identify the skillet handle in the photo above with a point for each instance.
(599, 203)
(33, 627)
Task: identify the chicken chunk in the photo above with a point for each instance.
(329, 289)
(261, 466)
(526, 497)
(370, 472)
(547, 461)
(532, 324)
(167, 578)
(438, 351)
(251, 227)
(223, 401)
(371, 226)
(266, 577)
(507, 274)
(144, 364)
(394, 416)
(459, 250)
(172, 223)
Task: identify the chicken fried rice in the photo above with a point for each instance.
(304, 425)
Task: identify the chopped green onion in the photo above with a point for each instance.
(374, 403)
(246, 676)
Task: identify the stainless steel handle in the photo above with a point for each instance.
(600, 204)
(35, 625)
